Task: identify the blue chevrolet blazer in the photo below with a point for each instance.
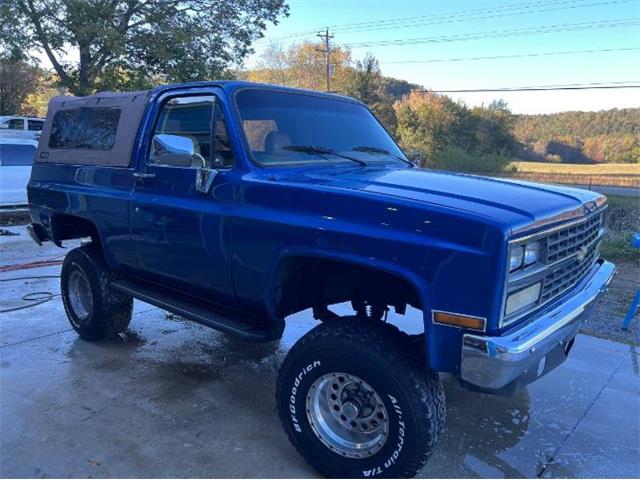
(236, 204)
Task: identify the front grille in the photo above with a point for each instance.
(578, 242)
(567, 275)
(567, 255)
(569, 241)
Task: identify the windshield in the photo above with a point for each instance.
(295, 128)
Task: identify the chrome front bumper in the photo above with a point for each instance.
(531, 351)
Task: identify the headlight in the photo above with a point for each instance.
(516, 257)
(523, 255)
(531, 253)
(522, 298)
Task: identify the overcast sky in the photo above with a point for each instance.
(612, 27)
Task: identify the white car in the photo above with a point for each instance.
(16, 158)
(27, 128)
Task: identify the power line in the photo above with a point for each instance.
(623, 22)
(500, 57)
(484, 16)
(461, 13)
(542, 88)
(446, 17)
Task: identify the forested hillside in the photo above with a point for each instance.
(447, 133)
(611, 136)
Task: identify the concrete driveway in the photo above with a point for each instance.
(175, 399)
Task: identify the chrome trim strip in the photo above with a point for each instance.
(562, 226)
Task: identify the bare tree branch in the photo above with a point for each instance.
(30, 11)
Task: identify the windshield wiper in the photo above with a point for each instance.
(311, 149)
(382, 151)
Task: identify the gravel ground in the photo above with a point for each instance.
(607, 319)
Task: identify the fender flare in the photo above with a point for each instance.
(53, 218)
(418, 284)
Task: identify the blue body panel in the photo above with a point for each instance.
(446, 234)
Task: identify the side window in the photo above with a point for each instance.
(182, 135)
(15, 124)
(35, 125)
(223, 156)
(190, 132)
(85, 128)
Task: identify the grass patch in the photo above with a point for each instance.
(569, 168)
(623, 220)
(610, 174)
(457, 159)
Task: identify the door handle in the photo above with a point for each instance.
(143, 175)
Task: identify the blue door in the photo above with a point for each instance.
(181, 235)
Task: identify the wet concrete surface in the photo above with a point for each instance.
(175, 399)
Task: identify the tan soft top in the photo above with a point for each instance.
(132, 106)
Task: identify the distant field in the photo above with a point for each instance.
(613, 174)
(600, 169)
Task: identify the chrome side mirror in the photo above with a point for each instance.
(204, 179)
(175, 151)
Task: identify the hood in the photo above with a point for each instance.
(518, 205)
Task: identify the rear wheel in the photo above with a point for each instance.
(356, 402)
(94, 310)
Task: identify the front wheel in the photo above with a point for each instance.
(356, 401)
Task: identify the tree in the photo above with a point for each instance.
(441, 129)
(304, 65)
(133, 42)
(426, 122)
(365, 82)
(493, 127)
(301, 65)
(274, 65)
(584, 137)
(18, 80)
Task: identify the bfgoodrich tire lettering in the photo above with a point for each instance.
(102, 313)
(381, 357)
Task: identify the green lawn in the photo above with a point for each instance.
(623, 220)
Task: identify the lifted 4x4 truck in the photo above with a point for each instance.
(236, 204)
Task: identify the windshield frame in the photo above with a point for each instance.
(320, 161)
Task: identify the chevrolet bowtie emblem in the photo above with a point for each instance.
(582, 253)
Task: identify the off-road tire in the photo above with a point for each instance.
(390, 363)
(110, 311)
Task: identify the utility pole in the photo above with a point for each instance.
(327, 51)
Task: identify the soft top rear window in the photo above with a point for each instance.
(85, 128)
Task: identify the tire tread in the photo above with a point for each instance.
(395, 352)
(113, 310)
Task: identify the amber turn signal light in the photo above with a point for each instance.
(457, 320)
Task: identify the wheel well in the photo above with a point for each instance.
(67, 227)
(311, 282)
